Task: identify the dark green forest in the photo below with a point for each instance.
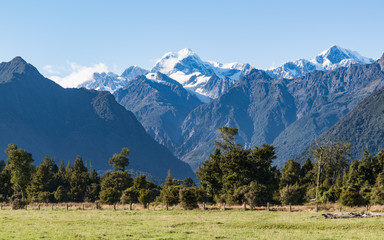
(232, 174)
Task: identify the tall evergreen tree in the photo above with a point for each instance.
(78, 181)
(19, 163)
(43, 185)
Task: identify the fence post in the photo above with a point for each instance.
(245, 206)
(268, 206)
(166, 206)
(83, 206)
(340, 208)
(203, 205)
(130, 206)
(67, 206)
(1, 206)
(26, 207)
(366, 208)
(38, 207)
(317, 207)
(224, 206)
(290, 207)
(114, 207)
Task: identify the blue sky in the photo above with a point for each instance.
(63, 36)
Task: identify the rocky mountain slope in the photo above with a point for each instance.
(286, 113)
(45, 119)
(363, 126)
(160, 104)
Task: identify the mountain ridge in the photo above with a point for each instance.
(46, 119)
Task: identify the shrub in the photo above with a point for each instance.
(145, 197)
(188, 198)
(351, 197)
(291, 194)
(170, 195)
(130, 195)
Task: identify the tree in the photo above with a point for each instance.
(113, 185)
(43, 181)
(188, 198)
(78, 181)
(19, 163)
(93, 188)
(210, 174)
(230, 167)
(331, 159)
(130, 195)
(377, 196)
(226, 139)
(145, 197)
(140, 183)
(120, 161)
(2, 165)
(61, 194)
(291, 173)
(170, 195)
(170, 181)
(291, 194)
(5, 185)
(188, 182)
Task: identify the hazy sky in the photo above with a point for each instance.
(63, 36)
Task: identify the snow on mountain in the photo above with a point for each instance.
(197, 75)
(111, 81)
(330, 59)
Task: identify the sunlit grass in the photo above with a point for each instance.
(179, 224)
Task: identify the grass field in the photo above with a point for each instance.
(179, 224)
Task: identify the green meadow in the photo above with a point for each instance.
(179, 224)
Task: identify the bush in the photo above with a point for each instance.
(188, 198)
(145, 197)
(291, 194)
(17, 201)
(130, 195)
(170, 195)
(351, 197)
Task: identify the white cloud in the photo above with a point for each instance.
(78, 74)
(50, 69)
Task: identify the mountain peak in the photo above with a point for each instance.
(339, 55)
(18, 60)
(16, 66)
(185, 52)
(332, 58)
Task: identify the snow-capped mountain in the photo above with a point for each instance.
(111, 81)
(207, 80)
(330, 59)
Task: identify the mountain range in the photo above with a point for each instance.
(281, 112)
(209, 79)
(362, 127)
(330, 59)
(45, 119)
(183, 100)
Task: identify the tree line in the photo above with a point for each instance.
(232, 174)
